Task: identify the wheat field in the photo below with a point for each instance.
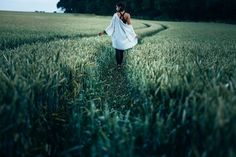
(61, 94)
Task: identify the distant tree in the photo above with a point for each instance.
(170, 9)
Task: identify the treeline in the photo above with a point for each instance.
(158, 9)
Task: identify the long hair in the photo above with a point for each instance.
(122, 5)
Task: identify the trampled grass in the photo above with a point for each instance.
(61, 94)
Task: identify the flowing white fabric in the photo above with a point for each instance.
(123, 35)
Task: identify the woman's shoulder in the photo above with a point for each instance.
(115, 14)
(126, 15)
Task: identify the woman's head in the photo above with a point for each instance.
(120, 6)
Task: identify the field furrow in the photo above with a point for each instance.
(62, 95)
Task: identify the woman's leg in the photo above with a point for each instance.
(119, 56)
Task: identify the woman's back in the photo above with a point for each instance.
(121, 31)
(123, 35)
(122, 16)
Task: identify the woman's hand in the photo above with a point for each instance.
(101, 33)
(137, 37)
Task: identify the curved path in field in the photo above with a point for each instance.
(117, 89)
(146, 27)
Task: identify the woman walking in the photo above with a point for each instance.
(122, 32)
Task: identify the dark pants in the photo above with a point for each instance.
(119, 56)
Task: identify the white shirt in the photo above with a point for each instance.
(123, 35)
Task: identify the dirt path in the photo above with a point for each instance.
(116, 88)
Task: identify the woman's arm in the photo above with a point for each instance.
(128, 19)
(110, 29)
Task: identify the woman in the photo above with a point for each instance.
(122, 32)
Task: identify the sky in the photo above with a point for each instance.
(29, 5)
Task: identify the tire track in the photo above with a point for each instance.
(7, 46)
(117, 91)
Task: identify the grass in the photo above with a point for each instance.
(61, 95)
(20, 28)
(189, 74)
